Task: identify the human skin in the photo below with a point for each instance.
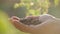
(49, 25)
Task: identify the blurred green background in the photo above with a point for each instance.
(23, 8)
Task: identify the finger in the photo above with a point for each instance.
(15, 17)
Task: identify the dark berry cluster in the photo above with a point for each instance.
(30, 21)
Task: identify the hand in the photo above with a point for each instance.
(22, 27)
(50, 26)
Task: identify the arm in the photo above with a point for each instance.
(19, 25)
(48, 25)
